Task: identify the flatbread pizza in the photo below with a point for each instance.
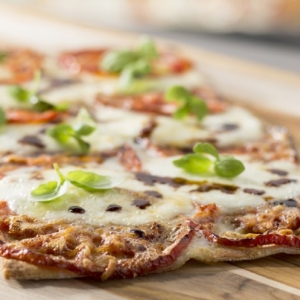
(117, 163)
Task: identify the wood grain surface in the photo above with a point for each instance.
(271, 94)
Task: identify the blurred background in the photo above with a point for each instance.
(262, 31)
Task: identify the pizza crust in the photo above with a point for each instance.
(15, 269)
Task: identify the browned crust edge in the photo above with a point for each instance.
(15, 269)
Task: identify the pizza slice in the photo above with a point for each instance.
(119, 185)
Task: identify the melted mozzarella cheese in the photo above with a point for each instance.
(15, 188)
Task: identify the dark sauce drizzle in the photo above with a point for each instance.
(76, 210)
(278, 172)
(279, 182)
(114, 207)
(287, 202)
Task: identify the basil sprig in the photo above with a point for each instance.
(88, 181)
(132, 65)
(3, 56)
(30, 96)
(84, 125)
(190, 104)
(206, 157)
(2, 116)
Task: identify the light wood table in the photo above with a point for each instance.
(271, 94)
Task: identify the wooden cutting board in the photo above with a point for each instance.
(271, 94)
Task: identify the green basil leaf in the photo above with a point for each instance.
(181, 112)
(228, 166)
(147, 48)
(3, 56)
(62, 133)
(206, 148)
(115, 61)
(84, 146)
(194, 163)
(84, 124)
(48, 191)
(19, 93)
(40, 105)
(177, 93)
(198, 107)
(91, 181)
(2, 116)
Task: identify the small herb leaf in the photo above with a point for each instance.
(84, 124)
(116, 61)
(182, 112)
(177, 93)
(49, 191)
(62, 132)
(194, 163)
(91, 181)
(19, 93)
(229, 167)
(198, 107)
(191, 104)
(2, 117)
(198, 162)
(147, 48)
(207, 149)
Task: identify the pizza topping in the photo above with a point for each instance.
(154, 194)
(20, 66)
(131, 65)
(88, 181)
(30, 96)
(99, 252)
(278, 172)
(141, 203)
(2, 117)
(190, 103)
(129, 159)
(288, 203)
(76, 210)
(149, 179)
(22, 116)
(198, 162)
(32, 140)
(254, 191)
(84, 125)
(114, 207)
(279, 182)
(224, 188)
(230, 126)
(144, 137)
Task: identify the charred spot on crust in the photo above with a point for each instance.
(138, 232)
